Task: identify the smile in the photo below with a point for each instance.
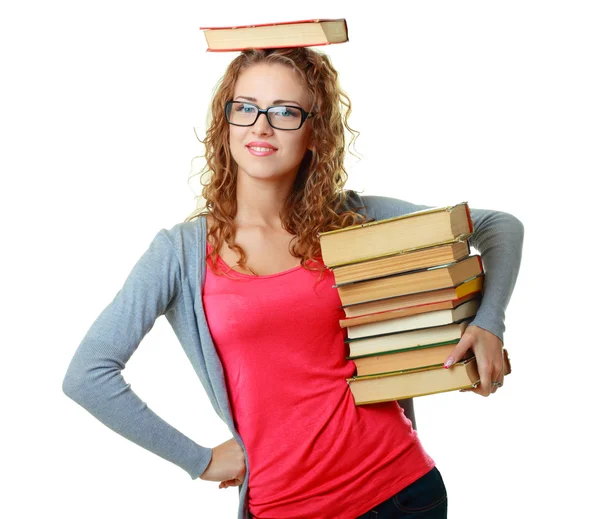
(260, 151)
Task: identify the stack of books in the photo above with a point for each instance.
(409, 287)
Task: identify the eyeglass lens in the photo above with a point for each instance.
(282, 117)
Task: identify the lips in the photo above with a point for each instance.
(261, 149)
(261, 145)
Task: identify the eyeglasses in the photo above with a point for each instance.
(282, 117)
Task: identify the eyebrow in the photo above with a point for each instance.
(276, 102)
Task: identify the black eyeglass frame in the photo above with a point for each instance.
(305, 115)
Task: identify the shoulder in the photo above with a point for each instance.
(183, 237)
(382, 207)
(379, 207)
(351, 200)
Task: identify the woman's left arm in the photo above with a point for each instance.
(498, 236)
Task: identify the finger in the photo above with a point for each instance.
(499, 378)
(478, 391)
(472, 389)
(235, 482)
(485, 378)
(496, 384)
(498, 373)
(459, 351)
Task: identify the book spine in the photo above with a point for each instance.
(471, 226)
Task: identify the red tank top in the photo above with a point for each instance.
(312, 453)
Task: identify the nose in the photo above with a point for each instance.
(262, 126)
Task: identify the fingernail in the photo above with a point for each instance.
(449, 362)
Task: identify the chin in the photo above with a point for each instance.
(264, 171)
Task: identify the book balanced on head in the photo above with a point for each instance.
(409, 287)
(304, 33)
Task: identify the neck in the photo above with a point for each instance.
(259, 202)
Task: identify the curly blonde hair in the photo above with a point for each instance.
(315, 202)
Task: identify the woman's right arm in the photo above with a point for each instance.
(93, 378)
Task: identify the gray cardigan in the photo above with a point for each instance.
(167, 280)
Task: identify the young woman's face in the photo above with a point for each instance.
(264, 85)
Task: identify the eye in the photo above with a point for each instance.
(245, 108)
(285, 111)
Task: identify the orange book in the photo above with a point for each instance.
(303, 33)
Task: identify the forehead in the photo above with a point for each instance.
(269, 81)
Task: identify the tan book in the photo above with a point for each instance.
(404, 312)
(408, 301)
(434, 278)
(304, 33)
(416, 322)
(416, 358)
(405, 340)
(386, 387)
(397, 263)
(402, 234)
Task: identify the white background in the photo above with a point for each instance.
(495, 103)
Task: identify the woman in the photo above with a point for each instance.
(246, 292)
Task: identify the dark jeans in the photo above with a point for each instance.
(423, 499)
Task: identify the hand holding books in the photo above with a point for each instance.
(489, 352)
(410, 288)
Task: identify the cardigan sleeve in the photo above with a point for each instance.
(497, 235)
(93, 378)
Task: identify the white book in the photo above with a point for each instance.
(406, 340)
(415, 322)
